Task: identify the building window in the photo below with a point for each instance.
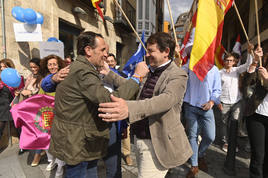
(68, 34)
(179, 29)
(140, 9)
(147, 25)
(179, 36)
(130, 12)
(147, 10)
(140, 25)
(153, 28)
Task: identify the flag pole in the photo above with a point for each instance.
(258, 29)
(241, 22)
(172, 23)
(122, 11)
(243, 27)
(175, 37)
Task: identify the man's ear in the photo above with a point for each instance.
(167, 51)
(88, 51)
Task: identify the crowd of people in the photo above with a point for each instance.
(166, 109)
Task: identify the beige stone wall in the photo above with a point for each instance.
(52, 10)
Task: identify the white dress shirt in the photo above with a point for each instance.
(229, 82)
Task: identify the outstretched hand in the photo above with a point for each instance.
(113, 111)
(104, 69)
(61, 74)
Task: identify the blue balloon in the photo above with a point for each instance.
(11, 77)
(18, 13)
(30, 16)
(52, 39)
(39, 18)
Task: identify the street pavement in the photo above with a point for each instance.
(13, 165)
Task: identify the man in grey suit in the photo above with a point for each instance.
(160, 140)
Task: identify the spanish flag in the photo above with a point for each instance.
(219, 56)
(208, 33)
(95, 4)
(188, 39)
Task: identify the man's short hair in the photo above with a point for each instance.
(232, 54)
(163, 41)
(85, 39)
(111, 54)
(236, 55)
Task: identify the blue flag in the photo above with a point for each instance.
(129, 68)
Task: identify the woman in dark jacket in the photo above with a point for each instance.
(257, 117)
(6, 95)
(5, 100)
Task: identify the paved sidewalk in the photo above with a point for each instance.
(13, 165)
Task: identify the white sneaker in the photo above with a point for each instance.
(51, 165)
(59, 171)
(225, 147)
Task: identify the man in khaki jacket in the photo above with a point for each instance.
(78, 136)
(160, 138)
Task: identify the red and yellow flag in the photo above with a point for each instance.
(188, 38)
(95, 4)
(219, 56)
(208, 33)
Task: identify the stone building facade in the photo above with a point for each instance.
(232, 26)
(179, 27)
(65, 19)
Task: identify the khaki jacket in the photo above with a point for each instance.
(169, 139)
(77, 133)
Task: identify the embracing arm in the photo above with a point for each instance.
(92, 87)
(171, 95)
(114, 79)
(141, 71)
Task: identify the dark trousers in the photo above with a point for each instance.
(2, 127)
(112, 161)
(82, 170)
(257, 126)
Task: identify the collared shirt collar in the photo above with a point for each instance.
(153, 69)
(225, 70)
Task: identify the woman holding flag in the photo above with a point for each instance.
(49, 66)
